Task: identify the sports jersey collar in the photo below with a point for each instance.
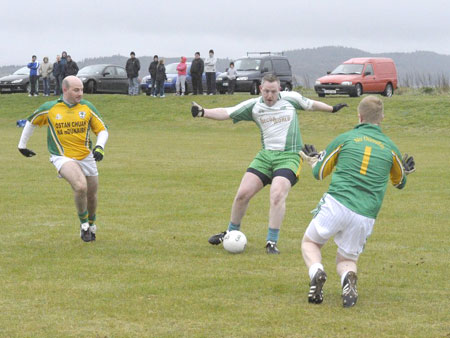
(368, 125)
(61, 99)
(261, 100)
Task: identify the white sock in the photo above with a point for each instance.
(313, 269)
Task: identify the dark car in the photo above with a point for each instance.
(104, 78)
(19, 81)
(172, 75)
(251, 70)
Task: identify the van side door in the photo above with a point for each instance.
(267, 67)
(369, 78)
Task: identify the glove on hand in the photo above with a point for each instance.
(27, 152)
(197, 110)
(98, 153)
(408, 164)
(338, 107)
(310, 155)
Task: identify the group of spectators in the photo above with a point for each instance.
(158, 75)
(62, 67)
(65, 66)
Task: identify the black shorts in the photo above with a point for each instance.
(286, 173)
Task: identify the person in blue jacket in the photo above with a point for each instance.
(34, 67)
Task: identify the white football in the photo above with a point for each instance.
(234, 241)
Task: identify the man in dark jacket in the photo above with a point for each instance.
(58, 73)
(71, 67)
(152, 70)
(132, 67)
(197, 68)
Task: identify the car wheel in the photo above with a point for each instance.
(254, 90)
(90, 87)
(358, 91)
(28, 88)
(388, 91)
(321, 95)
(288, 87)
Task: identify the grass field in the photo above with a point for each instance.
(166, 184)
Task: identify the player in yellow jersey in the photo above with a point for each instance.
(70, 119)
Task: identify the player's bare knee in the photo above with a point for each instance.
(243, 196)
(80, 186)
(277, 198)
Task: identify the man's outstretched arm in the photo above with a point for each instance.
(214, 114)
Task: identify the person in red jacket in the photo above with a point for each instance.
(181, 79)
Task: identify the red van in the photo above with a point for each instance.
(360, 75)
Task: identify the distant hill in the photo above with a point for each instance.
(419, 68)
(414, 69)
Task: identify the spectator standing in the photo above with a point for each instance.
(63, 63)
(197, 68)
(34, 68)
(58, 73)
(132, 67)
(152, 70)
(45, 70)
(71, 67)
(181, 79)
(232, 75)
(160, 78)
(210, 71)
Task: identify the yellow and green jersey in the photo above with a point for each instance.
(68, 127)
(364, 158)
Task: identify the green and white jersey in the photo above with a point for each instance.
(278, 124)
(364, 159)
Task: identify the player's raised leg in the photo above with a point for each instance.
(72, 173)
(346, 269)
(250, 185)
(279, 191)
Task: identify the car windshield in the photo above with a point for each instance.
(96, 69)
(348, 68)
(22, 71)
(247, 64)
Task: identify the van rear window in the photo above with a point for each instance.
(281, 66)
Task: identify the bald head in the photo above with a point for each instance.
(71, 80)
(371, 110)
(72, 89)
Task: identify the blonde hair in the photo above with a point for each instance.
(371, 110)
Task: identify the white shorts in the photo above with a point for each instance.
(350, 230)
(87, 164)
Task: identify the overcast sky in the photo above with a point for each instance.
(173, 27)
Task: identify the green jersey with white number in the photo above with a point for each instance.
(364, 159)
(278, 124)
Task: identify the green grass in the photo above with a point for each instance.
(167, 182)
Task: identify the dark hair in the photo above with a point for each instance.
(270, 78)
(231, 63)
(34, 56)
(132, 53)
(211, 51)
(155, 56)
(197, 53)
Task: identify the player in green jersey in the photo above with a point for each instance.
(364, 158)
(278, 163)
